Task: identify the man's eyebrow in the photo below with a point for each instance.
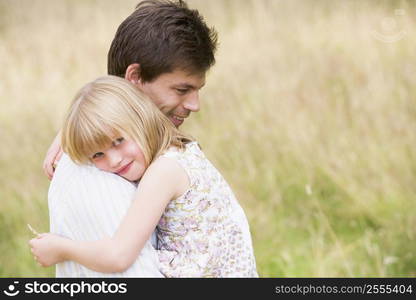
(187, 85)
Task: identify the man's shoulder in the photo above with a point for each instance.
(81, 197)
(77, 187)
(69, 175)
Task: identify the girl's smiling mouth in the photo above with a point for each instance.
(124, 169)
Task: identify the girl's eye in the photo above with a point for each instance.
(97, 155)
(118, 141)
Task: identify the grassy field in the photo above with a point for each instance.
(310, 113)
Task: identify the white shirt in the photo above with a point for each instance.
(88, 204)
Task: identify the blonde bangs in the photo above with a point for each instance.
(86, 133)
(109, 108)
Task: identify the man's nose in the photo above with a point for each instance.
(192, 103)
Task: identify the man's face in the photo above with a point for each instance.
(175, 93)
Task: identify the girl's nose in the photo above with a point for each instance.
(114, 159)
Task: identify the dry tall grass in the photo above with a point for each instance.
(309, 112)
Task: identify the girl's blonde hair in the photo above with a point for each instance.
(111, 107)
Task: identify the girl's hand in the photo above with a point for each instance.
(48, 249)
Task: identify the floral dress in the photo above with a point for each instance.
(204, 232)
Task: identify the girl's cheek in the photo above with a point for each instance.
(100, 165)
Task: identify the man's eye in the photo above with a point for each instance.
(97, 155)
(182, 91)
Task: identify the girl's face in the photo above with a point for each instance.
(124, 157)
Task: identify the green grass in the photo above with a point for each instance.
(310, 118)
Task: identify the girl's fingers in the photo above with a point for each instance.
(32, 242)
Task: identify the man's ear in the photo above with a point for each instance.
(133, 73)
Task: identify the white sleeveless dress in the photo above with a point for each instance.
(204, 232)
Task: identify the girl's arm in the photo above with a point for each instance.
(164, 180)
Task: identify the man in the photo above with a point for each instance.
(165, 49)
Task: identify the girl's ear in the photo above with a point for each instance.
(133, 73)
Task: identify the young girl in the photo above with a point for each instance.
(202, 230)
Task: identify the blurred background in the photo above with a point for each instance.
(310, 114)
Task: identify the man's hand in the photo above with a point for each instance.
(53, 156)
(48, 249)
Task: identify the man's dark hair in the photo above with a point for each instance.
(162, 36)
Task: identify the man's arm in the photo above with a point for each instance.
(53, 156)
